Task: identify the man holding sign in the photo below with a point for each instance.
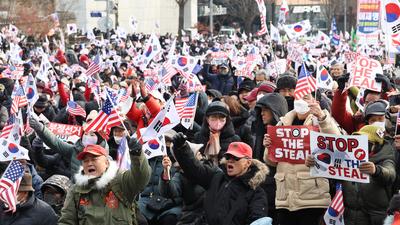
(365, 163)
(300, 198)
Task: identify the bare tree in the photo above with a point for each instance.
(181, 4)
(244, 11)
(330, 9)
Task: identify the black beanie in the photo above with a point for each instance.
(217, 107)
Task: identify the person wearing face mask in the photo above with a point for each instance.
(64, 148)
(233, 194)
(30, 210)
(374, 113)
(116, 135)
(217, 132)
(294, 203)
(55, 190)
(285, 86)
(366, 203)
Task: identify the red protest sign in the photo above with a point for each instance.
(65, 129)
(289, 143)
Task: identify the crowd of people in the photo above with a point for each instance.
(216, 171)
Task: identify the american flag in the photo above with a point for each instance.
(334, 214)
(150, 84)
(7, 128)
(124, 94)
(305, 83)
(166, 72)
(94, 66)
(18, 99)
(107, 118)
(186, 107)
(123, 158)
(263, 12)
(9, 184)
(75, 109)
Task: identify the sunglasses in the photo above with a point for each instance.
(235, 158)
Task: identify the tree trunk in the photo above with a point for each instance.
(181, 17)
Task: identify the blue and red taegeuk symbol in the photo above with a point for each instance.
(154, 144)
(182, 61)
(324, 74)
(392, 12)
(298, 28)
(13, 148)
(324, 157)
(149, 51)
(30, 93)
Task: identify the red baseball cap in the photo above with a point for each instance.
(252, 96)
(96, 150)
(240, 150)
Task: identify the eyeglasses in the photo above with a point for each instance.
(235, 158)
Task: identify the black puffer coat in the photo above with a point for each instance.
(278, 105)
(242, 129)
(228, 200)
(32, 212)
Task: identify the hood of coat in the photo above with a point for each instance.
(278, 106)
(384, 152)
(99, 182)
(256, 174)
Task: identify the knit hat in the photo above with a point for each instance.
(26, 183)
(286, 81)
(217, 107)
(267, 87)
(375, 134)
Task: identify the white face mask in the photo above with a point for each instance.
(379, 124)
(89, 140)
(301, 106)
(117, 140)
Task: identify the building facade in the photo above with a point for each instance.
(160, 16)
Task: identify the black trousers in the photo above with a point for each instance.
(300, 217)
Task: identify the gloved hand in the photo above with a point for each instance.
(386, 85)
(179, 140)
(342, 81)
(35, 124)
(37, 143)
(135, 147)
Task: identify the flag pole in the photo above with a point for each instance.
(272, 50)
(397, 119)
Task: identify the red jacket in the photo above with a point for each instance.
(64, 97)
(345, 119)
(137, 115)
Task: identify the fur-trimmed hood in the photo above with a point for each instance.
(99, 182)
(256, 174)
